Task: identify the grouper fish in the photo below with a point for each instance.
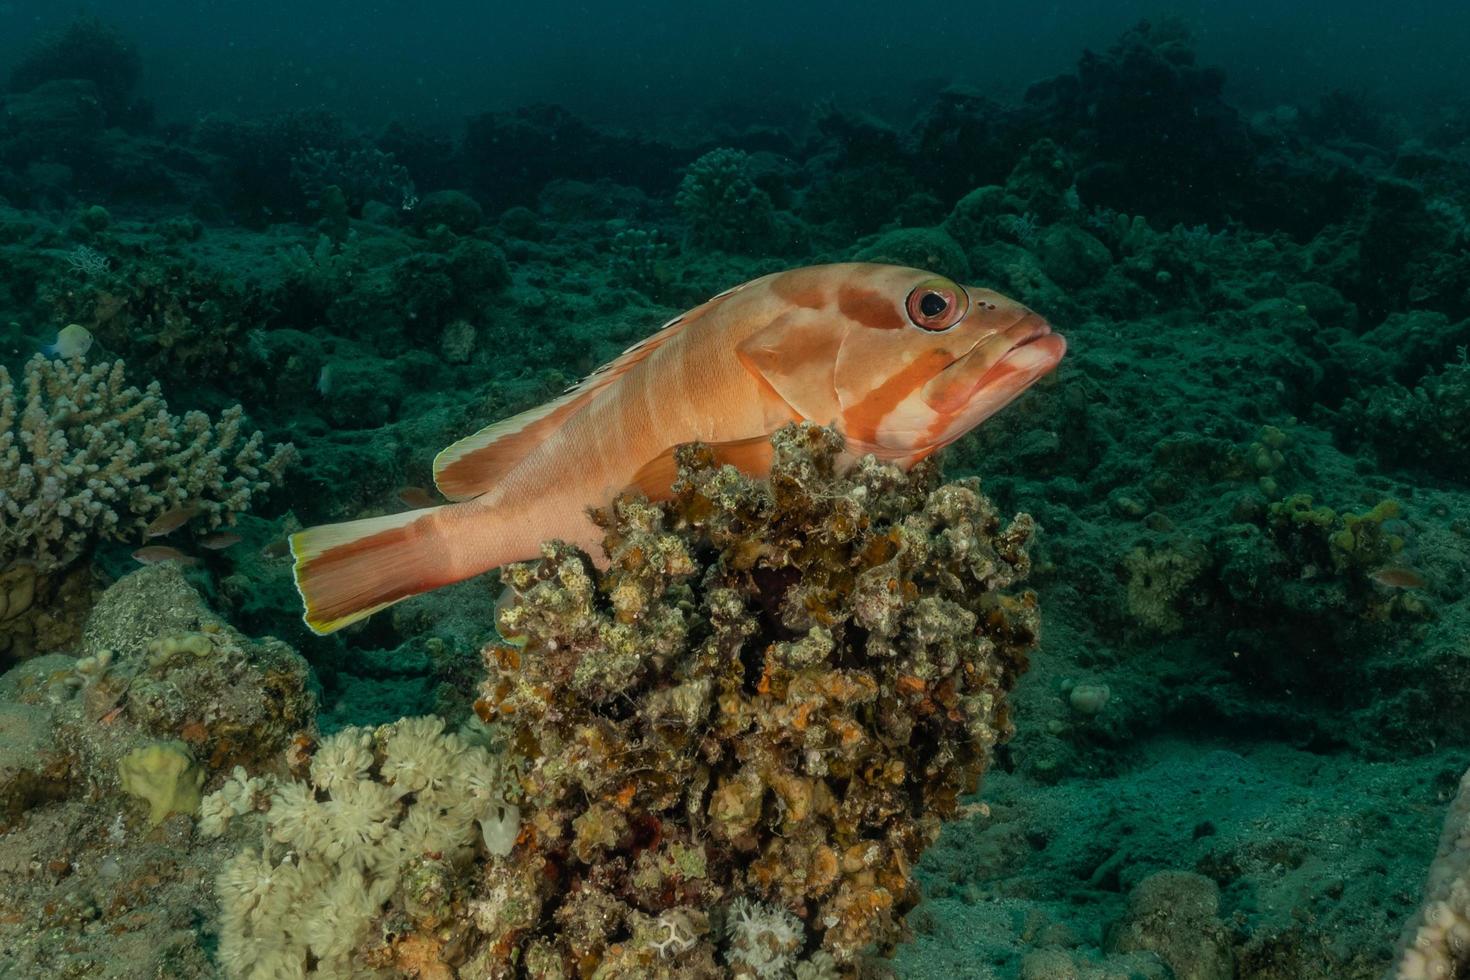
(901, 362)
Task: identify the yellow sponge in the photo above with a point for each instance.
(166, 775)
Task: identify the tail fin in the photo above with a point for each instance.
(346, 572)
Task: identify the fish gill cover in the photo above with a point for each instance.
(1238, 741)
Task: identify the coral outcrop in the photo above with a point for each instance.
(762, 710)
(103, 759)
(722, 203)
(721, 755)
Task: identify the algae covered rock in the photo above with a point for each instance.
(1176, 914)
(165, 702)
(32, 767)
(761, 710)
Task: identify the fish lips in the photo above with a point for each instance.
(996, 370)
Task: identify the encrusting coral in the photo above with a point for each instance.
(83, 458)
(734, 743)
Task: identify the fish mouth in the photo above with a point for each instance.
(977, 390)
(1030, 327)
(1034, 347)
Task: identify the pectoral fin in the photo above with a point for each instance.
(750, 456)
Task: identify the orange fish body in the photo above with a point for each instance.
(900, 361)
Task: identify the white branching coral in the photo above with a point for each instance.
(338, 848)
(84, 457)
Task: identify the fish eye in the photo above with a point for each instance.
(936, 305)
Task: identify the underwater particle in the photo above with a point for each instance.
(166, 776)
(73, 340)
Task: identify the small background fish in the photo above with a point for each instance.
(73, 340)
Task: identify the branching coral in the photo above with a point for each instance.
(759, 714)
(725, 209)
(85, 458)
(1425, 427)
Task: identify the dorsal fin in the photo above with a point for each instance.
(477, 462)
(471, 466)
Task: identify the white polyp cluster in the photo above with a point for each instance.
(765, 938)
(336, 847)
(1436, 945)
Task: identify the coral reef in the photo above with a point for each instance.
(86, 49)
(86, 459)
(1427, 426)
(1251, 471)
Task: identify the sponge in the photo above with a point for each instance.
(166, 775)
